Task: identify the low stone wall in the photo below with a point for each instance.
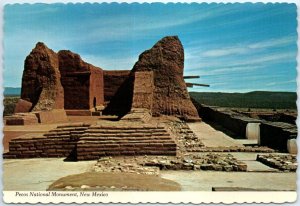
(277, 134)
(36, 147)
(59, 142)
(92, 151)
(233, 121)
(274, 135)
(21, 119)
(80, 141)
(78, 112)
(283, 162)
(29, 118)
(53, 116)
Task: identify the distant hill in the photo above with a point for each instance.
(12, 91)
(256, 99)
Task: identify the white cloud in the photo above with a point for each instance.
(238, 49)
(225, 52)
(281, 82)
(264, 59)
(274, 43)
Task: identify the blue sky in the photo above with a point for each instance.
(233, 47)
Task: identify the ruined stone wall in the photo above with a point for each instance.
(276, 134)
(143, 90)
(271, 134)
(53, 116)
(228, 119)
(40, 147)
(90, 142)
(77, 77)
(166, 60)
(112, 81)
(59, 142)
(96, 88)
(41, 79)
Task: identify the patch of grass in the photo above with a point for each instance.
(9, 104)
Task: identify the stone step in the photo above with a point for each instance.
(152, 138)
(62, 133)
(137, 142)
(91, 150)
(69, 129)
(143, 151)
(124, 130)
(74, 125)
(127, 142)
(125, 127)
(124, 134)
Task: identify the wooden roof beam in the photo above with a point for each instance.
(196, 84)
(191, 77)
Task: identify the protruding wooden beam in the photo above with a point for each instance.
(196, 84)
(189, 85)
(191, 77)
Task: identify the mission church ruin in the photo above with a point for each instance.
(55, 85)
(63, 82)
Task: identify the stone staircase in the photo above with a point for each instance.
(124, 139)
(58, 142)
(81, 141)
(138, 115)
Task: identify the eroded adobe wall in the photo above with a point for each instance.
(143, 90)
(96, 87)
(166, 60)
(76, 78)
(112, 81)
(59, 142)
(170, 97)
(41, 79)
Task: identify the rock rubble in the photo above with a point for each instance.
(283, 162)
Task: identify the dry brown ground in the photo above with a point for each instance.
(114, 181)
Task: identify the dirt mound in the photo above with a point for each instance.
(113, 182)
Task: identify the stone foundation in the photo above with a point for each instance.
(60, 142)
(21, 119)
(78, 112)
(86, 142)
(45, 117)
(53, 116)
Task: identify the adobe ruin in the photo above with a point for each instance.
(58, 84)
(41, 84)
(63, 81)
(169, 95)
(55, 85)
